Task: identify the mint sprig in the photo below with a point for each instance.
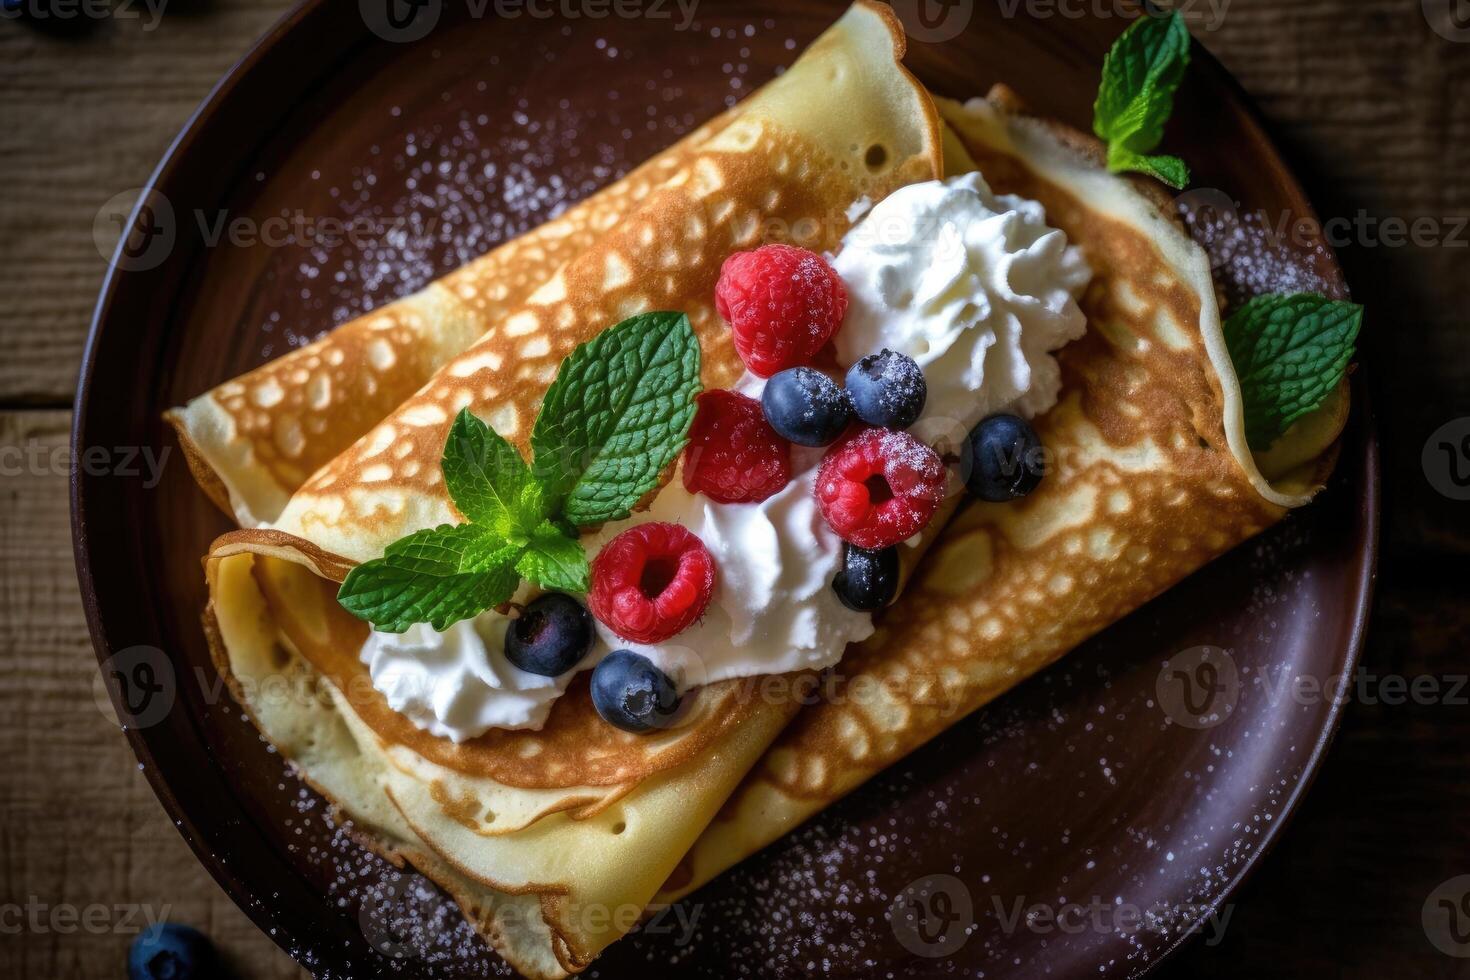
(1290, 352)
(615, 417)
(1140, 76)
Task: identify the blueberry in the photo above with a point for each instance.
(1005, 459)
(551, 636)
(170, 951)
(806, 407)
(887, 389)
(868, 579)
(632, 694)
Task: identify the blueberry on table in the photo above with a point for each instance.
(632, 694)
(551, 636)
(170, 951)
(868, 579)
(806, 407)
(1005, 459)
(887, 389)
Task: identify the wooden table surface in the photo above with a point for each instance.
(1370, 100)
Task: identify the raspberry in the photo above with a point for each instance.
(734, 456)
(879, 487)
(782, 303)
(651, 582)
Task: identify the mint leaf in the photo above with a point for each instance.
(1170, 170)
(437, 576)
(616, 415)
(1140, 76)
(487, 479)
(554, 560)
(1289, 353)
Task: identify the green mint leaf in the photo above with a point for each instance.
(487, 479)
(1170, 170)
(1289, 353)
(554, 560)
(617, 414)
(437, 576)
(1140, 76)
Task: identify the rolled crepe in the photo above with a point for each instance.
(546, 836)
(253, 441)
(1150, 477)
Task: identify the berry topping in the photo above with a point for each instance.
(1004, 459)
(879, 487)
(806, 406)
(632, 694)
(734, 456)
(651, 582)
(783, 304)
(868, 579)
(887, 389)
(169, 951)
(550, 636)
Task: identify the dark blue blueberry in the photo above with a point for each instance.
(868, 579)
(632, 694)
(170, 951)
(1005, 459)
(806, 407)
(550, 636)
(887, 389)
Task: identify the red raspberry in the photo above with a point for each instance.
(651, 582)
(734, 456)
(879, 487)
(782, 303)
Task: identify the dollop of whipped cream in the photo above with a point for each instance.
(972, 285)
(458, 684)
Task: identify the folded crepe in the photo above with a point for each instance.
(553, 841)
(1149, 478)
(253, 441)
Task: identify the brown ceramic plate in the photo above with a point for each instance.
(1077, 790)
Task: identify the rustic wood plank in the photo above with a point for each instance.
(79, 825)
(84, 118)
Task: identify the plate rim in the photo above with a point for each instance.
(284, 935)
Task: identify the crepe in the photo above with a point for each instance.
(1150, 478)
(555, 840)
(253, 441)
